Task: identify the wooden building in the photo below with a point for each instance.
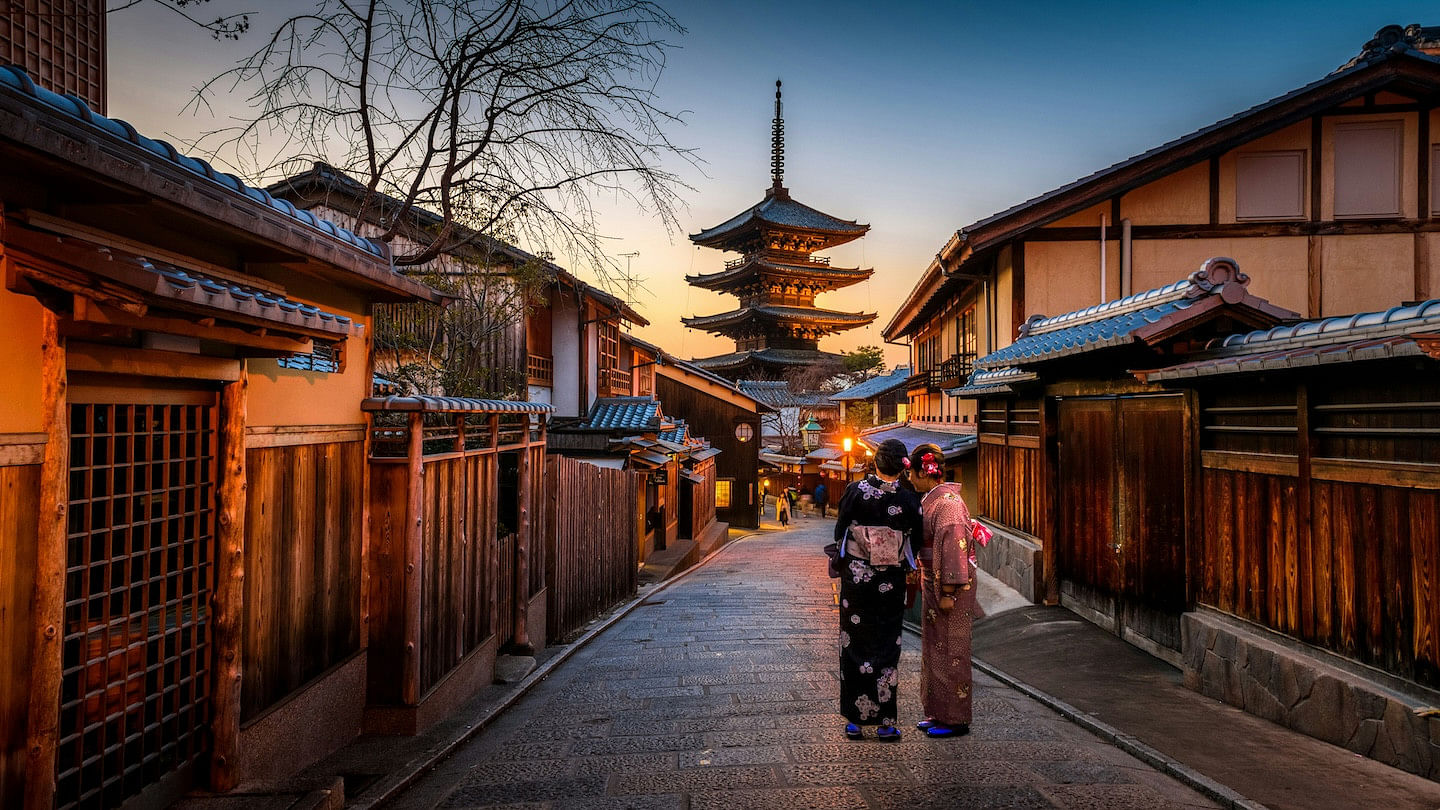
(885, 396)
(777, 326)
(183, 477)
(1330, 188)
(1242, 493)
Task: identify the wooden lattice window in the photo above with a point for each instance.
(1249, 419)
(135, 686)
(723, 491)
(609, 345)
(326, 358)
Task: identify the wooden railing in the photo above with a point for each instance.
(955, 370)
(616, 382)
(540, 370)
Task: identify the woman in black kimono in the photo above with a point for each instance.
(872, 597)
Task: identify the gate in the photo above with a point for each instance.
(1124, 496)
(135, 683)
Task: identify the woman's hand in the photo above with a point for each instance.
(947, 599)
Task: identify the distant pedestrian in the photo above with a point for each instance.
(875, 525)
(821, 494)
(793, 496)
(947, 572)
(782, 509)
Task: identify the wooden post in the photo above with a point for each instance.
(48, 606)
(522, 548)
(414, 560)
(227, 600)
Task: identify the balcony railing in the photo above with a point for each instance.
(823, 261)
(954, 371)
(616, 382)
(540, 370)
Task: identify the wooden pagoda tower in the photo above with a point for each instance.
(777, 325)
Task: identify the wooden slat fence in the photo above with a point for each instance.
(591, 513)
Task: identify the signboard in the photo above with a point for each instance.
(660, 476)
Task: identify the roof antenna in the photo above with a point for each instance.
(777, 146)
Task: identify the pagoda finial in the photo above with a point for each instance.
(777, 145)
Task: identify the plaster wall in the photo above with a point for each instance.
(1363, 273)
(1082, 219)
(1004, 302)
(564, 317)
(20, 407)
(287, 396)
(1182, 198)
(1062, 277)
(1277, 265)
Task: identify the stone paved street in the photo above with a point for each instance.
(720, 692)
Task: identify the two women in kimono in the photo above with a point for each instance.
(872, 595)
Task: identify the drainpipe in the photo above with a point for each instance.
(1126, 259)
(1103, 220)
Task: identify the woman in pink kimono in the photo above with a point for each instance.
(947, 572)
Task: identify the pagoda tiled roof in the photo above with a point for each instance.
(808, 315)
(781, 211)
(832, 277)
(767, 357)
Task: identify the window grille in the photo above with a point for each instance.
(135, 687)
(324, 359)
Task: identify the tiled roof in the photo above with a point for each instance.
(623, 413)
(426, 403)
(776, 357)
(835, 276)
(17, 80)
(992, 381)
(784, 212)
(951, 444)
(815, 315)
(777, 394)
(875, 386)
(1218, 282)
(1378, 335)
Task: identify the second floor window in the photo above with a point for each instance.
(609, 345)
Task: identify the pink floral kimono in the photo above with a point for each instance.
(945, 678)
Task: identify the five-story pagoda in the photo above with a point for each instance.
(777, 326)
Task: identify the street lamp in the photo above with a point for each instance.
(849, 444)
(810, 434)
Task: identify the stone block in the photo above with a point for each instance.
(1319, 715)
(1212, 676)
(1259, 701)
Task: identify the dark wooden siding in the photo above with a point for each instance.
(715, 419)
(302, 566)
(1322, 515)
(592, 540)
(1087, 493)
(19, 514)
(1011, 468)
(702, 498)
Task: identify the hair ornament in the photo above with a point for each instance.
(905, 462)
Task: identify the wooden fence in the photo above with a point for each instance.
(451, 538)
(593, 517)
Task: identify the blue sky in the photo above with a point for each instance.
(917, 118)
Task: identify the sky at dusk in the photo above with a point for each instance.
(917, 118)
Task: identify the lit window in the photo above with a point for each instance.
(744, 431)
(1270, 185)
(723, 487)
(1367, 169)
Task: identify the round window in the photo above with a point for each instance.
(744, 431)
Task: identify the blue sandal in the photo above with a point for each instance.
(925, 725)
(938, 730)
(888, 734)
(854, 732)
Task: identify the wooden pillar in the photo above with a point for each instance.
(227, 600)
(522, 547)
(490, 527)
(414, 560)
(48, 605)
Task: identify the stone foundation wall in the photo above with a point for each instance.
(1012, 559)
(1305, 690)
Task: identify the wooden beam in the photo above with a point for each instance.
(1314, 278)
(1303, 502)
(1214, 191)
(18, 449)
(292, 435)
(1422, 167)
(522, 551)
(414, 561)
(227, 600)
(1236, 230)
(48, 601)
(151, 363)
(1316, 167)
(1422, 267)
(1017, 291)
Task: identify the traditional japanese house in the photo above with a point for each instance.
(183, 479)
(1330, 188)
(884, 396)
(777, 326)
(1250, 499)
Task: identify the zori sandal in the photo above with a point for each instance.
(853, 732)
(888, 734)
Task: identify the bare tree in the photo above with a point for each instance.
(497, 115)
(225, 26)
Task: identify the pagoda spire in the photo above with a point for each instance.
(777, 146)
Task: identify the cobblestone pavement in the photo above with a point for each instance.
(720, 692)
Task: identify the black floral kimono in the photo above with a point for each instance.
(872, 600)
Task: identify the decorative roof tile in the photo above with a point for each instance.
(992, 381)
(875, 386)
(623, 413)
(784, 212)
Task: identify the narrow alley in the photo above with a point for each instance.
(720, 691)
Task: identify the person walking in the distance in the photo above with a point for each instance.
(821, 497)
(875, 524)
(782, 508)
(947, 573)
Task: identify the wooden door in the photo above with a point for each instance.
(1086, 553)
(1154, 494)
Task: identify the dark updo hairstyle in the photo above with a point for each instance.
(890, 457)
(917, 461)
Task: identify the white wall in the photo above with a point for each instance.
(565, 344)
